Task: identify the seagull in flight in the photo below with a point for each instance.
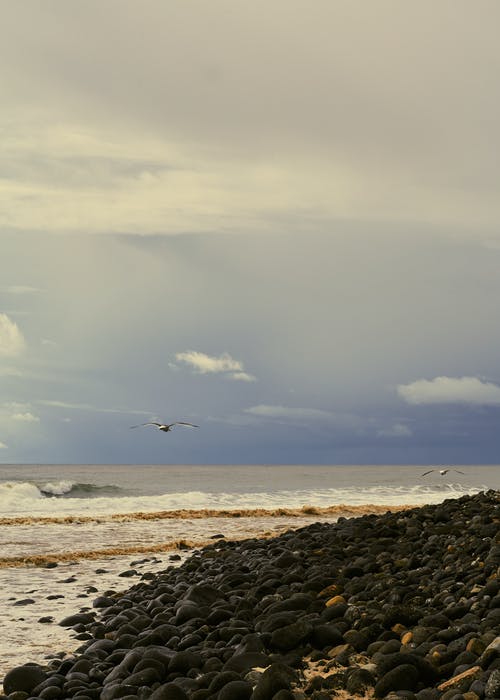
(442, 471)
(166, 427)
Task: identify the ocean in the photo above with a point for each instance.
(69, 533)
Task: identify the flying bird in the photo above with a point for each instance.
(442, 471)
(166, 427)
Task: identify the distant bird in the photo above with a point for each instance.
(442, 471)
(166, 427)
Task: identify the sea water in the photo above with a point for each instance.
(91, 523)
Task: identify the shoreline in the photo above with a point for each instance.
(337, 510)
(41, 541)
(370, 602)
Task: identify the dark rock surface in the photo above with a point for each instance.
(403, 605)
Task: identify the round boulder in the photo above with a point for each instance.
(24, 678)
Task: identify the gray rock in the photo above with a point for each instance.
(77, 619)
(169, 691)
(287, 638)
(492, 689)
(24, 678)
(235, 690)
(402, 677)
(275, 678)
(241, 663)
(359, 681)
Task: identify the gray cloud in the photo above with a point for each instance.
(202, 117)
(332, 170)
(397, 430)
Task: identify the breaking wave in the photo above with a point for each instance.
(15, 495)
(64, 498)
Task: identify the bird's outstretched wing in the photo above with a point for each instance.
(183, 422)
(459, 472)
(425, 473)
(141, 424)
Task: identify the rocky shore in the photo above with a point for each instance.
(398, 605)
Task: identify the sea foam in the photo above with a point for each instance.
(67, 498)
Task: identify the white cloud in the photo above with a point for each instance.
(88, 407)
(304, 414)
(10, 372)
(27, 417)
(209, 364)
(205, 364)
(242, 377)
(12, 342)
(21, 289)
(18, 412)
(468, 390)
(395, 431)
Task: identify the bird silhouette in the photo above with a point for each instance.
(442, 471)
(166, 427)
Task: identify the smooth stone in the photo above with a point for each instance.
(187, 611)
(203, 594)
(146, 676)
(326, 636)
(169, 691)
(235, 690)
(402, 677)
(103, 601)
(492, 688)
(116, 690)
(287, 638)
(241, 663)
(52, 692)
(183, 661)
(77, 619)
(284, 694)
(276, 677)
(359, 681)
(24, 678)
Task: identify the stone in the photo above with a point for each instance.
(461, 680)
(403, 677)
(184, 661)
(24, 678)
(492, 688)
(235, 690)
(241, 663)
(78, 618)
(288, 637)
(359, 681)
(326, 635)
(169, 691)
(276, 677)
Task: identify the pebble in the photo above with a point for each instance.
(401, 605)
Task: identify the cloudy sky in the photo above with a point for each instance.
(277, 220)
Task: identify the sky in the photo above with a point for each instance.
(276, 220)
